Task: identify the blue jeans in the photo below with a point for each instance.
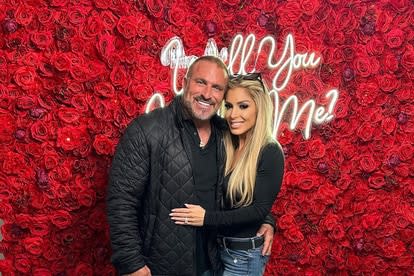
(243, 262)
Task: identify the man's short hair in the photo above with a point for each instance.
(212, 59)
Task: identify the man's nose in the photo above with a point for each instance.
(207, 92)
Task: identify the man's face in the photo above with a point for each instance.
(204, 90)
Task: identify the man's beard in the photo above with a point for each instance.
(194, 115)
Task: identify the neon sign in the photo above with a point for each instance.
(241, 50)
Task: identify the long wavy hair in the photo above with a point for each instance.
(243, 171)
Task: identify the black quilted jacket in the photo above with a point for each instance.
(150, 175)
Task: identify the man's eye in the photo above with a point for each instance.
(199, 82)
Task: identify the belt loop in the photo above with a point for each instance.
(253, 243)
(224, 242)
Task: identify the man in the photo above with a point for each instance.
(167, 158)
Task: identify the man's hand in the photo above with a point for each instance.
(144, 271)
(267, 231)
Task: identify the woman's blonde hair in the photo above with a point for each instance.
(243, 172)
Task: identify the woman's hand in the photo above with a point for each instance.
(192, 215)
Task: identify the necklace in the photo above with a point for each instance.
(202, 145)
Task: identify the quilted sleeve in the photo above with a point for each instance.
(127, 182)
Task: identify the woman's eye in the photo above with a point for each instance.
(243, 106)
(227, 106)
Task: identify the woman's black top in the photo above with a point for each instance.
(245, 221)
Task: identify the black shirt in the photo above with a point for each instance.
(205, 174)
(245, 221)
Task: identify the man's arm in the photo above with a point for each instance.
(127, 182)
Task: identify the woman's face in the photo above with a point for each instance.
(241, 111)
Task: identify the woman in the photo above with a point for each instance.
(254, 172)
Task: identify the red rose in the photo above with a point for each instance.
(68, 115)
(24, 14)
(102, 4)
(119, 77)
(289, 13)
(286, 221)
(13, 163)
(316, 149)
(376, 181)
(309, 7)
(301, 149)
(84, 270)
(407, 60)
(58, 3)
(61, 219)
(70, 138)
(42, 272)
(87, 197)
(25, 77)
(375, 46)
(105, 89)
(346, 19)
(129, 107)
(368, 163)
(356, 232)
(394, 38)
(108, 19)
(97, 218)
(371, 221)
(366, 132)
(154, 7)
(404, 94)
(93, 26)
(390, 62)
(104, 145)
(293, 234)
(366, 66)
(388, 125)
(406, 152)
(39, 131)
(337, 232)
(22, 263)
(392, 248)
(42, 40)
(327, 193)
(8, 128)
(33, 245)
(61, 61)
(330, 221)
(128, 26)
(40, 226)
(106, 45)
(388, 83)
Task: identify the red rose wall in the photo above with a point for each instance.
(74, 73)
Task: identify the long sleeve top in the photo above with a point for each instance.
(245, 221)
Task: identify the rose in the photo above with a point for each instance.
(61, 219)
(93, 25)
(390, 62)
(42, 40)
(371, 221)
(309, 7)
(368, 163)
(375, 46)
(394, 38)
(154, 7)
(327, 193)
(109, 20)
(25, 77)
(12, 163)
(286, 221)
(366, 66)
(105, 89)
(391, 248)
(8, 128)
(407, 60)
(119, 77)
(22, 263)
(301, 149)
(388, 83)
(293, 234)
(97, 218)
(346, 20)
(103, 145)
(33, 245)
(102, 4)
(42, 272)
(329, 221)
(406, 152)
(69, 138)
(128, 26)
(87, 197)
(39, 131)
(24, 14)
(376, 181)
(176, 15)
(289, 13)
(84, 269)
(388, 125)
(316, 149)
(366, 132)
(61, 61)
